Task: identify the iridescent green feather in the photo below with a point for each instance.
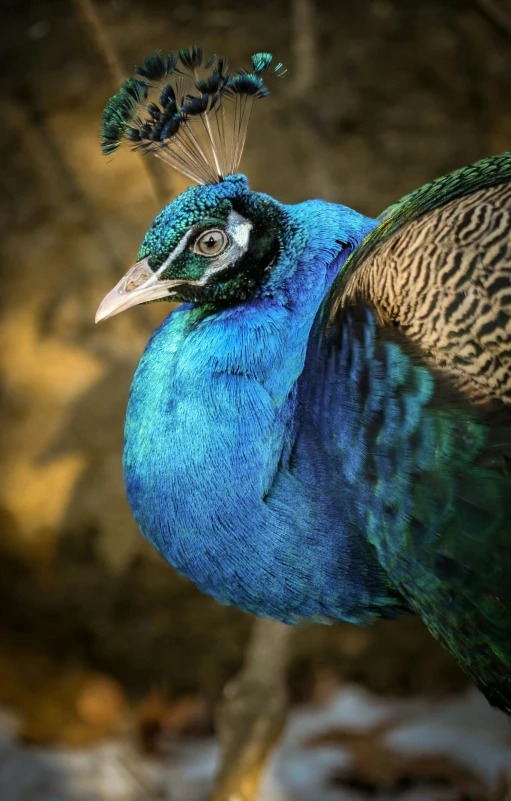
(121, 109)
(452, 561)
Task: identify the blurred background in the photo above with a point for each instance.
(96, 631)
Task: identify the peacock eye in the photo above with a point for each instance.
(211, 243)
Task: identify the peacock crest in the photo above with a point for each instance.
(191, 113)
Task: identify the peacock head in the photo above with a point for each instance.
(215, 242)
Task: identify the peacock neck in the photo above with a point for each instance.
(211, 417)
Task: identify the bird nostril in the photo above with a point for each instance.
(133, 281)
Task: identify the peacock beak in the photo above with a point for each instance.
(139, 285)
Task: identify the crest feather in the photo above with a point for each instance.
(194, 117)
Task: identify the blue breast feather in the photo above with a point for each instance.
(223, 480)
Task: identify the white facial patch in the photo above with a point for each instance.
(238, 229)
(174, 253)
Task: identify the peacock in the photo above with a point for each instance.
(321, 431)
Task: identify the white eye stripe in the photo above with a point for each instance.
(238, 229)
(181, 245)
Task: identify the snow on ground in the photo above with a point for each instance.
(463, 731)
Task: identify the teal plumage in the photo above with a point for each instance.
(454, 563)
(322, 430)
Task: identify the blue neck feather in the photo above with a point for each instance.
(211, 427)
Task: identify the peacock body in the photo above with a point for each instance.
(321, 431)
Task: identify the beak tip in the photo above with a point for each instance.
(100, 315)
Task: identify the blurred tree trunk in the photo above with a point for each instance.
(104, 46)
(303, 101)
(500, 16)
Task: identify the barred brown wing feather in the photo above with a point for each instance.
(444, 278)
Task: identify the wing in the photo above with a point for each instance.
(426, 479)
(439, 269)
(427, 468)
